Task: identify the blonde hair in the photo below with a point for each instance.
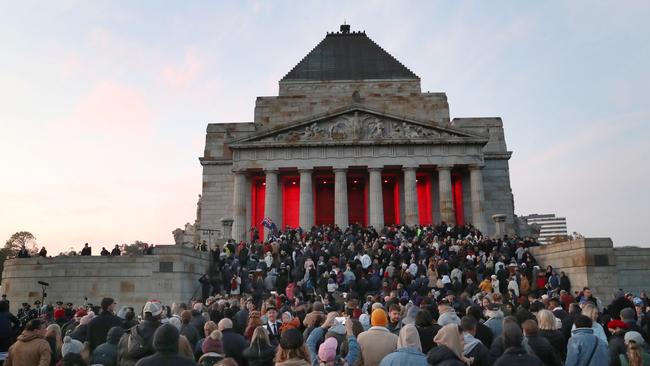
(54, 330)
(301, 353)
(546, 320)
(185, 348)
(591, 311)
(209, 327)
(634, 357)
(260, 335)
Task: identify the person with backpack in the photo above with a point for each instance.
(137, 342)
(165, 342)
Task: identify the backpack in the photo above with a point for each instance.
(136, 345)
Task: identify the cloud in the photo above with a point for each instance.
(181, 77)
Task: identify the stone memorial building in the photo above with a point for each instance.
(351, 138)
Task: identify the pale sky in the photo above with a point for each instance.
(104, 104)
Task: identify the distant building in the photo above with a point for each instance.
(550, 226)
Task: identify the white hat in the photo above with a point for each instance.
(154, 307)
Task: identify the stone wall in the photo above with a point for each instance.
(595, 263)
(171, 274)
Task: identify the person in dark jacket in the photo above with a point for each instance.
(165, 343)
(128, 356)
(212, 349)
(515, 354)
(106, 353)
(483, 332)
(260, 352)
(473, 348)
(198, 321)
(99, 326)
(8, 326)
(427, 330)
(188, 330)
(617, 329)
(233, 343)
(540, 345)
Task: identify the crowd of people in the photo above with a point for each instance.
(424, 295)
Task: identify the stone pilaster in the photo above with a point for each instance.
(271, 198)
(375, 199)
(239, 207)
(478, 197)
(306, 217)
(446, 200)
(341, 198)
(410, 197)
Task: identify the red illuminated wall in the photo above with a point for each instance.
(290, 201)
(457, 186)
(357, 200)
(324, 205)
(257, 205)
(424, 199)
(390, 192)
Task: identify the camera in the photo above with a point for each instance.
(43, 283)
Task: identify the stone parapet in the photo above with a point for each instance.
(169, 275)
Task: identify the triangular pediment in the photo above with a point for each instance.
(358, 125)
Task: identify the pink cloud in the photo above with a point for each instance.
(180, 77)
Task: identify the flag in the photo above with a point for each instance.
(269, 224)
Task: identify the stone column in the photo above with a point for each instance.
(410, 197)
(341, 198)
(375, 199)
(478, 198)
(271, 198)
(306, 218)
(239, 207)
(446, 200)
(500, 223)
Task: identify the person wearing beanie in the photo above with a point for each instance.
(71, 352)
(327, 353)
(409, 349)
(30, 348)
(637, 349)
(80, 333)
(292, 350)
(106, 353)
(378, 341)
(212, 349)
(165, 343)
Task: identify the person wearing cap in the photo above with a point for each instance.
(166, 339)
(143, 333)
(617, 329)
(627, 315)
(99, 326)
(106, 353)
(30, 348)
(637, 349)
(378, 341)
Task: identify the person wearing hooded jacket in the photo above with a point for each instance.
(31, 348)
(409, 349)
(449, 349)
(515, 354)
(106, 353)
(165, 343)
(145, 331)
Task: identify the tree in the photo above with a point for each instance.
(136, 248)
(19, 240)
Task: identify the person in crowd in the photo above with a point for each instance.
(234, 343)
(449, 349)
(42, 253)
(473, 348)
(104, 252)
(584, 347)
(116, 251)
(515, 354)
(208, 328)
(540, 345)
(289, 321)
(447, 314)
(409, 349)
(100, 325)
(591, 310)
(165, 344)
(617, 329)
(30, 348)
(55, 340)
(327, 352)
(188, 330)
(106, 353)
(260, 352)
(494, 320)
(80, 333)
(254, 321)
(548, 329)
(292, 350)
(86, 250)
(637, 352)
(212, 349)
(138, 342)
(427, 329)
(273, 325)
(8, 325)
(394, 320)
(377, 341)
(483, 332)
(71, 353)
